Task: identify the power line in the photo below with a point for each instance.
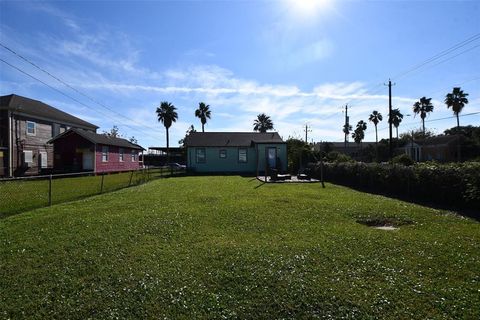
(73, 88)
(67, 95)
(439, 55)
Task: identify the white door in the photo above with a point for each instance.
(87, 162)
(272, 157)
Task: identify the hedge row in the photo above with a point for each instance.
(456, 184)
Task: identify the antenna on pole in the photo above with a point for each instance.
(307, 130)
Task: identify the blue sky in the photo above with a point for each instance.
(298, 61)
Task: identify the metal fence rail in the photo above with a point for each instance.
(25, 193)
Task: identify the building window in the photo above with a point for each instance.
(200, 155)
(120, 154)
(222, 154)
(28, 156)
(242, 155)
(134, 155)
(104, 153)
(31, 128)
(43, 159)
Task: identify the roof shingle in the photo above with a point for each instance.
(230, 139)
(37, 108)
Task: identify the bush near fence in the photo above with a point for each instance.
(26, 193)
(455, 184)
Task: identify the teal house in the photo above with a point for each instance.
(231, 152)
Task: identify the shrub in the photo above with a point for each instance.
(403, 159)
(455, 184)
(335, 156)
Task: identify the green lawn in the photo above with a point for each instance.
(21, 195)
(230, 247)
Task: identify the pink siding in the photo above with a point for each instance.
(113, 163)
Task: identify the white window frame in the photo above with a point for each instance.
(28, 156)
(34, 133)
(121, 155)
(246, 155)
(222, 154)
(43, 159)
(134, 156)
(105, 153)
(197, 158)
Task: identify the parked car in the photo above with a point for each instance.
(176, 165)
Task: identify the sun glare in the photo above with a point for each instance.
(306, 8)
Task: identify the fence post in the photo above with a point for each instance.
(50, 191)
(130, 182)
(101, 184)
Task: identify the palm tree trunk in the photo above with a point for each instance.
(458, 121)
(168, 151)
(203, 129)
(376, 144)
(396, 128)
(423, 126)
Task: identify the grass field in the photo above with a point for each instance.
(21, 195)
(230, 247)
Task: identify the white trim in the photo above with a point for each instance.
(121, 152)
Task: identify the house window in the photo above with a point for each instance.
(31, 128)
(200, 155)
(120, 154)
(222, 154)
(134, 155)
(28, 156)
(242, 155)
(104, 153)
(43, 159)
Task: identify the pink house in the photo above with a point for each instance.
(78, 150)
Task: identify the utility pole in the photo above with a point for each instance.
(306, 132)
(390, 144)
(345, 128)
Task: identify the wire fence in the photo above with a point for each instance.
(26, 193)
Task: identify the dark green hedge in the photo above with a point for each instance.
(456, 184)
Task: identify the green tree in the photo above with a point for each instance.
(190, 129)
(262, 123)
(167, 115)
(457, 99)
(114, 132)
(359, 134)
(423, 107)
(203, 113)
(395, 119)
(375, 117)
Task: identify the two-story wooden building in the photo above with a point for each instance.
(26, 125)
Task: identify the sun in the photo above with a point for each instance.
(308, 8)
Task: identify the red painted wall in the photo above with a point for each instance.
(68, 153)
(113, 163)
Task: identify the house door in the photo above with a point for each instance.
(272, 157)
(87, 160)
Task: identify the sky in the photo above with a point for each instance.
(300, 62)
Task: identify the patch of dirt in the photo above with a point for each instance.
(385, 223)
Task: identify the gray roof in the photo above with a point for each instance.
(99, 139)
(230, 139)
(37, 108)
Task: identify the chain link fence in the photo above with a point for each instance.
(26, 193)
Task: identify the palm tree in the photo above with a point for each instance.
(375, 117)
(359, 134)
(457, 100)
(166, 114)
(262, 123)
(203, 113)
(346, 129)
(396, 119)
(423, 107)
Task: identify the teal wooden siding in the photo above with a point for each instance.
(214, 163)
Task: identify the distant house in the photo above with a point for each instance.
(25, 127)
(246, 152)
(352, 149)
(81, 150)
(443, 148)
